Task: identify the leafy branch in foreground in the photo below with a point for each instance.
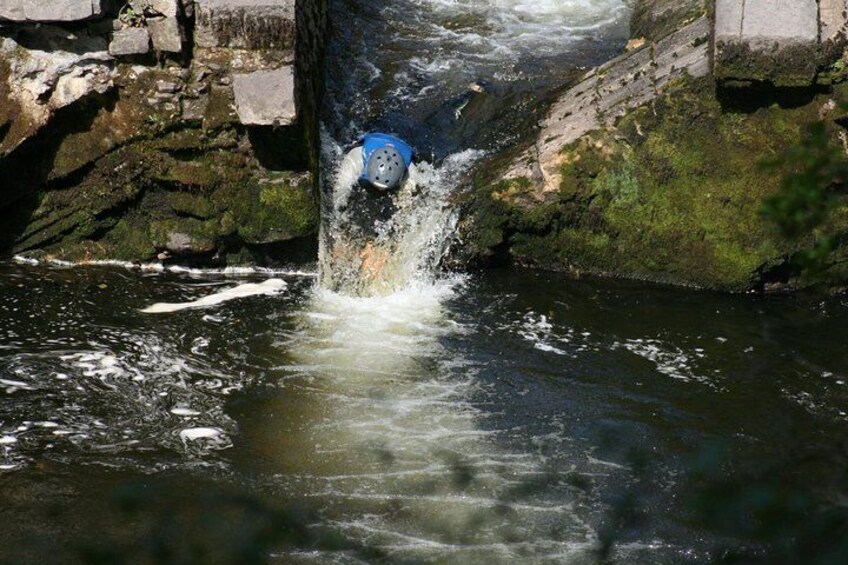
(816, 179)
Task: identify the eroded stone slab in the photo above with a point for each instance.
(833, 17)
(245, 24)
(265, 98)
(772, 41)
(49, 10)
(609, 92)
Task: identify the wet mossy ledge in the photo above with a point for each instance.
(669, 186)
(673, 194)
(161, 130)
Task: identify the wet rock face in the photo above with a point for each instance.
(655, 19)
(119, 139)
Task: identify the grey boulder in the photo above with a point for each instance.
(49, 10)
(265, 98)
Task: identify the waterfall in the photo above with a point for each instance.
(376, 244)
(457, 80)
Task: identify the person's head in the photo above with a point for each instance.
(386, 168)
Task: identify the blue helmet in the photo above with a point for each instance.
(386, 160)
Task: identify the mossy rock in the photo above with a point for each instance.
(655, 19)
(279, 206)
(673, 193)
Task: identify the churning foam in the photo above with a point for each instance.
(485, 38)
(270, 286)
(410, 244)
(390, 442)
(232, 271)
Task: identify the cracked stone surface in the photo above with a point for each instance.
(607, 93)
(265, 98)
(55, 69)
(49, 10)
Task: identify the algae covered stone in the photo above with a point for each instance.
(773, 41)
(673, 193)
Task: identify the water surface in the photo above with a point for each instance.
(512, 416)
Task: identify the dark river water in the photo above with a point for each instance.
(498, 417)
(514, 416)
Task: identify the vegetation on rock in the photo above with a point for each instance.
(674, 193)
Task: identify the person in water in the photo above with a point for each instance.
(375, 170)
(381, 164)
(385, 161)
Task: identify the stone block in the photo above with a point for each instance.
(49, 10)
(728, 18)
(245, 24)
(194, 109)
(12, 10)
(167, 8)
(265, 98)
(781, 19)
(833, 17)
(772, 41)
(166, 34)
(130, 41)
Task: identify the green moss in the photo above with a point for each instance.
(672, 194)
(204, 234)
(187, 204)
(129, 240)
(219, 113)
(792, 66)
(277, 208)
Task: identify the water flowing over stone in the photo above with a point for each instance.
(450, 69)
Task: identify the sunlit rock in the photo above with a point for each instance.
(130, 41)
(166, 34)
(49, 10)
(55, 69)
(265, 98)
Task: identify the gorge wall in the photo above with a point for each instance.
(659, 164)
(171, 129)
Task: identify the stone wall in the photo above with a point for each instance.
(172, 129)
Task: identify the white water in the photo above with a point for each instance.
(391, 442)
(407, 247)
(268, 287)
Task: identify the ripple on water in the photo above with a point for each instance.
(133, 395)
